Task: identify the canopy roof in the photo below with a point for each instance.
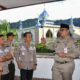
(9, 4)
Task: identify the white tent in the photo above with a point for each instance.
(8, 4)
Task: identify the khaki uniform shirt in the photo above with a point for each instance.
(3, 51)
(10, 45)
(67, 46)
(26, 57)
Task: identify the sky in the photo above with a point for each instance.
(56, 10)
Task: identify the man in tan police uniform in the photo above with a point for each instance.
(66, 52)
(26, 57)
(5, 55)
(11, 66)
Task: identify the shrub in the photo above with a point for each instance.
(78, 42)
(42, 48)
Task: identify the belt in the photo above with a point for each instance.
(62, 62)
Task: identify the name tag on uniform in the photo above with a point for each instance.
(65, 50)
(6, 50)
(1, 51)
(23, 53)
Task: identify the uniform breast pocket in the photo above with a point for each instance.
(32, 48)
(69, 49)
(23, 52)
(65, 50)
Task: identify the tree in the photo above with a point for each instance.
(4, 27)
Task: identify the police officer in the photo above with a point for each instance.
(66, 52)
(11, 66)
(5, 55)
(26, 57)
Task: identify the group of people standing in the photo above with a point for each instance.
(25, 54)
(6, 56)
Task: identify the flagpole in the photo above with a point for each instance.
(20, 30)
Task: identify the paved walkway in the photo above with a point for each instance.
(17, 78)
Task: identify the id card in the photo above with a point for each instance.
(23, 53)
(65, 50)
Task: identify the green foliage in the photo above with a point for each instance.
(78, 42)
(5, 28)
(40, 48)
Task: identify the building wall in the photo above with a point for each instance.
(44, 30)
(39, 32)
(32, 30)
(36, 35)
(77, 31)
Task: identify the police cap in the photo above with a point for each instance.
(64, 26)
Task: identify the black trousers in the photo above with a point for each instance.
(26, 74)
(5, 77)
(11, 67)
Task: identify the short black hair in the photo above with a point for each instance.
(64, 26)
(10, 34)
(1, 35)
(24, 34)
